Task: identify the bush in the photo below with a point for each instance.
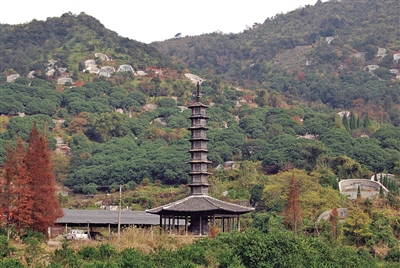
(30, 234)
(89, 253)
(106, 251)
(5, 248)
(393, 255)
(62, 113)
(91, 188)
(11, 263)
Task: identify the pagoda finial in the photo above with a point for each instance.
(198, 92)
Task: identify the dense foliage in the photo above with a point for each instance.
(252, 248)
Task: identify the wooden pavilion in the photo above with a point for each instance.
(199, 210)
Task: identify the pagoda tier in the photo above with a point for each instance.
(198, 139)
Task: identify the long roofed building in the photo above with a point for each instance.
(199, 210)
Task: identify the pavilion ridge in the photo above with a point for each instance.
(199, 210)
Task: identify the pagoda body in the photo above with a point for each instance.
(198, 210)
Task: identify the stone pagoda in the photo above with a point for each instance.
(198, 211)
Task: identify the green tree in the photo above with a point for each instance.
(106, 126)
(345, 122)
(357, 227)
(353, 121)
(366, 121)
(256, 197)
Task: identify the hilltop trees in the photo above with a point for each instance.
(28, 186)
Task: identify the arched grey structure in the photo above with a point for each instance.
(368, 188)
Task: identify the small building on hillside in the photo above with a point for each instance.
(106, 71)
(12, 77)
(88, 219)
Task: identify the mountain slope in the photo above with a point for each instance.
(69, 39)
(356, 24)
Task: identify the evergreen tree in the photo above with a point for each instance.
(366, 121)
(358, 191)
(46, 207)
(335, 184)
(293, 212)
(385, 182)
(345, 122)
(375, 177)
(381, 194)
(353, 121)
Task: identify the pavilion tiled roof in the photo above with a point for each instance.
(78, 216)
(199, 204)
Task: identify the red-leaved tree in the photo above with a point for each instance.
(334, 219)
(293, 212)
(46, 208)
(24, 194)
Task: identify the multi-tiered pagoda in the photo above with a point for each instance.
(199, 210)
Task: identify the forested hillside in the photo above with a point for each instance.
(308, 55)
(69, 40)
(310, 95)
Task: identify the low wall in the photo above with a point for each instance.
(368, 188)
(343, 213)
(389, 176)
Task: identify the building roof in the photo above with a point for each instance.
(77, 216)
(200, 204)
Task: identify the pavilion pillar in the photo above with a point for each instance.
(238, 220)
(177, 225)
(223, 224)
(173, 224)
(201, 223)
(186, 225)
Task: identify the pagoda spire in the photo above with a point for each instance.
(198, 92)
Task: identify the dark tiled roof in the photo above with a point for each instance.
(197, 104)
(77, 216)
(200, 203)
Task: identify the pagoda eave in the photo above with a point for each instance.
(198, 150)
(200, 173)
(200, 161)
(197, 104)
